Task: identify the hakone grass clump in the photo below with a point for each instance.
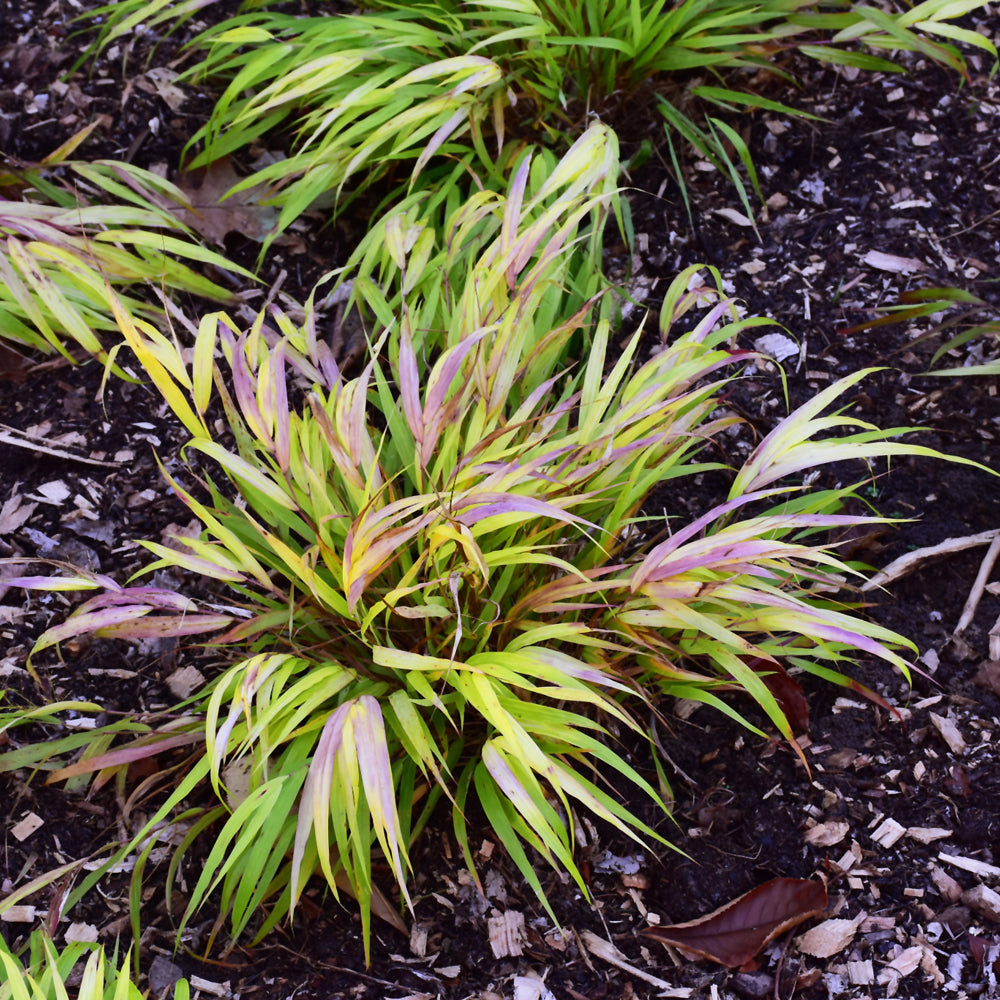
(48, 973)
(441, 590)
(428, 94)
(438, 589)
(70, 229)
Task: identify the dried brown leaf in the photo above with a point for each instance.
(214, 215)
(736, 932)
(14, 513)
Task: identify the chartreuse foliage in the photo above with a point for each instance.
(75, 228)
(458, 87)
(439, 594)
(47, 972)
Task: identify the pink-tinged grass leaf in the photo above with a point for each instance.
(371, 747)
(409, 382)
(789, 448)
(88, 623)
(509, 826)
(162, 626)
(215, 527)
(513, 206)
(58, 583)
(215, 563)
(439, 385)
(147, 746)
(245, 387)
(735, 933)
(521, 789)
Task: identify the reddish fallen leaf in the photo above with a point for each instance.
(787, 691)
(985, 952)
(733, 934)
(14, 366)
(957, 783)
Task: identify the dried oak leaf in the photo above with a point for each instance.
(213, 215)
(733, 934)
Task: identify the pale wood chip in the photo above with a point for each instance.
(980, 868)
(929, 966)
(950, 890)
(531, 988)
(850, 857)
(890, 262)
(27, 826)
(506, 932)
(19, 913)
(927, 834)
(737, 218)
(78, 931)
(908, 960)
(14, 513)
(54, 492)
(829, 833)
(828, 938)
(214, 989)
(184, 681)
(861, 973)
(984, 901)
(888, 832)
(419, 934)
(949, 733)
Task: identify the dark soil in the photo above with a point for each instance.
(905, 166)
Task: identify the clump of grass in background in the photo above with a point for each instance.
(952, 309)
(77, 228)
(49, 971)
(439, 593)
(417, 92)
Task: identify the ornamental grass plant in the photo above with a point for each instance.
(433, 583)
(70, 229)
(49, 971)
(414, 93)
(441, 586)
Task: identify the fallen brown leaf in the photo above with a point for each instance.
(213, 215)
(733, 934)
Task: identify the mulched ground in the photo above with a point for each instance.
(895, 190)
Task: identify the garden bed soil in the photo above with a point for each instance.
(895, 189)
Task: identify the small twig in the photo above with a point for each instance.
(905, 565)
(607, 952)
(12, 436)
(972, 601)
